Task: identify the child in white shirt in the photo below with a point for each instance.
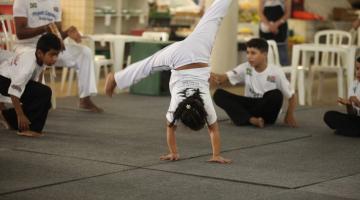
(347, 124)
(265, 87)
(190, 96)
(19, 79)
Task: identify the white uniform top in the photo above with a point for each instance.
(183, 83)
(271, 3)
(354, 90)
(256, 84)
(38, 13)
(20, 69)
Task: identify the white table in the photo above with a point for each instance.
(308, 49)
(119, 45)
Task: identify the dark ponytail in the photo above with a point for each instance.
(191, 111)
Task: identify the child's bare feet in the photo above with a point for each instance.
(110, 85)
(29, 134)
(3, 122)
(257, 121)
(87, 104)
(170, 156)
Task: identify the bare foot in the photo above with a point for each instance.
(3, 122)
(110, 85)
(257, 121)
(87, 104)
(29, 134)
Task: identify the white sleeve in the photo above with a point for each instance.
(237, 75)
(21, 73)
(283, 84)
(20, 8)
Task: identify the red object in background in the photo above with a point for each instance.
(137, 32)
(6, 10)
(306, 15)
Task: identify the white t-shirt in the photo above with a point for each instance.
(188, 81)
(272, 3)
(354, 90)
(38, 13)
(257, 84)
(20, 69)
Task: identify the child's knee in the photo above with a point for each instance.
(218, 96)
(274, 96)
(329, 118)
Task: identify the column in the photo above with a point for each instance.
(224, 55)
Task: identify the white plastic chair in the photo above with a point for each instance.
(52, 76)
(158, 36)
(329, 62)
(274, 58)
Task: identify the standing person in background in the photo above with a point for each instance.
(273, 25)
(32, 19)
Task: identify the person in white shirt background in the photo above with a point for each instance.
(32, 18)
(188, 61)
(347, 124)
(265, 87)
(20, 79)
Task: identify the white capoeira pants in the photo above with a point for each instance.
(79, 57)
(196, 48)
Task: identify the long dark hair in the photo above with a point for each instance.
(191, 111)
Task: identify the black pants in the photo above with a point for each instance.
(240, 109)
(36, 102)
(343, 124)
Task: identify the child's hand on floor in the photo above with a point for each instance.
(219, 159)
(170, 156)
(290, 120)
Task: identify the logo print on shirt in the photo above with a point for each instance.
(16, 87)
(271, 79)
(249, 71)
(189, 92)
(33, 5)
(56, 9)
(255, 94)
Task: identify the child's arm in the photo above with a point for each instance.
(23, 121)
(289, 117)
(215, 144)
(219, 79)
(171, 141)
